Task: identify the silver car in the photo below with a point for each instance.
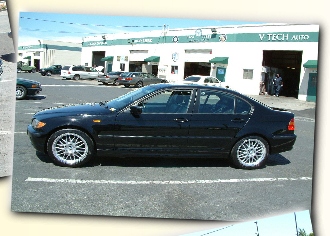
(110, 78)
(81, 72)
(138, 79)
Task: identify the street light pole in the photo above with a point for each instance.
(257, 228)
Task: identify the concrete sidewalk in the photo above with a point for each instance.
(288, 103)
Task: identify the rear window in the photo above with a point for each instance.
(126, 74)
(115, 73)
(66, 67)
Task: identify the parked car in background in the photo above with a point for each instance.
(110, 78)
(202, 79)
(165, 120)
(24, 67)
(138, 79)
(79, 72)
(52, 70)
(25, 87)
(66, 70)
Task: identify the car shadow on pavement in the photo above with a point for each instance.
(277, 160)
(11, 57)
(161, 162)
(36, 97)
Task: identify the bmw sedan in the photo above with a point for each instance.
(25, 87)
(165, 120)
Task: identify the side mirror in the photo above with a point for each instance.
(136, 111)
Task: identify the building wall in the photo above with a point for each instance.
(50, 52)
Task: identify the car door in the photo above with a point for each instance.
(217, 118)
(161, 124)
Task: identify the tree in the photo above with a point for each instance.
(302, 232)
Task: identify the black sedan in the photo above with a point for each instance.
(165, 120)
(25, 87)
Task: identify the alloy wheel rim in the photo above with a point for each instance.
(251, 152)
(70, 148)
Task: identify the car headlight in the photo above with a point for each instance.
(36, 124)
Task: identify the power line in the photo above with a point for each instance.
(93, 25)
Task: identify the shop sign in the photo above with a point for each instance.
(175, 57)
(97, 43)
(284, 37)
(147, 40)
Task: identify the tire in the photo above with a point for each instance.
(116, 83)
(250, 153)
(139, 84)
(21, 92)
(70, 148)
(76, 77)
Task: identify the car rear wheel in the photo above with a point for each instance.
(116, 83)
(250, 153)
(139, 84)
(70, 147)
(76, 77)
(48, 73)
(21, 92)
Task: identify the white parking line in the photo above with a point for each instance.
(169, 182)
(300, 118)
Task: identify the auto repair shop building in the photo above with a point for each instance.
(44, 53)
(240, 56)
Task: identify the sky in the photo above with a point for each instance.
(272, 226)
(73, 27)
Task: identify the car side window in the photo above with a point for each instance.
(242, 107)
(168, 101)
(216, 102)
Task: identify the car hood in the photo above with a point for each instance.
(75, 110)
(26, 80)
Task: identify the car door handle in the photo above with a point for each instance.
(181, 120)
(238, 120)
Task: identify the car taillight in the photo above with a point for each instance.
(128, 78)
(291, 125)
(69, 72)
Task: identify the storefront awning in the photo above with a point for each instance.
(109, 58)
(152, 59)
(310, 64)
(223, 60)
(28, 57)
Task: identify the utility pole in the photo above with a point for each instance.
(257, 228)
(295, 220)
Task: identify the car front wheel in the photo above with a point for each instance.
(21, 92)
(250, 153)
(70, 147)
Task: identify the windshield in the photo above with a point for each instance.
(128, 98)
(192, 79)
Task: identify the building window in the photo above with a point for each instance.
(174, 69)
(247, 74)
